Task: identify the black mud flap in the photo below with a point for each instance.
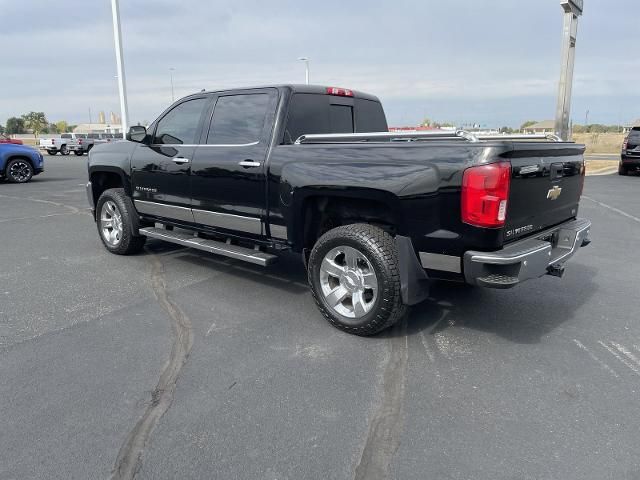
(414, 282)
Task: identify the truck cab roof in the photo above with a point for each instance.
(296, 88)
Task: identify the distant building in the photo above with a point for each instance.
(101, 118)
(114, 119)
(411, 129)
(98, 128)
(548, 126)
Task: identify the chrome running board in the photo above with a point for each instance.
(212, 246)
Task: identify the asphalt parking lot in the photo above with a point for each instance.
(205, 367)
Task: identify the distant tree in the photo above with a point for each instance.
(1, 129)
(62, 126)
(71, 128)
(36, 122)
(527, 124)
(427, 122)
(15, 125)
(506, 130)
(447, 125)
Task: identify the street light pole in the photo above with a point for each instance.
(122, 84)
(171, 69)
(306, 69)
(572, 10)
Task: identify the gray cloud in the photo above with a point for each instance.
(493, 62)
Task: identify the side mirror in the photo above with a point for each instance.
(137, 133)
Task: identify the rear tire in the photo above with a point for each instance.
(64, 150)
(52, 152)
(78, 153)
(114, 215)
(623, 171)
(355, 280)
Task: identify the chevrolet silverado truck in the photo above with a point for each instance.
(250, 173)
(64, 144)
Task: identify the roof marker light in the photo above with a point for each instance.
(340, 92)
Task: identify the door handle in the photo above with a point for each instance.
(249, 164)
(180, 160)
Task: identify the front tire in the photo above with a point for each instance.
(19, 171)
(355, 280)
(114, 214)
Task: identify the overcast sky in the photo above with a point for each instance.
(493, 62)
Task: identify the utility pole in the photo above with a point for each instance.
(173, 98)
(572, 10)
(122, 83)
(586, 118)
(306, 68)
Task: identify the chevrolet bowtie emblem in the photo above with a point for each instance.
(554, 193)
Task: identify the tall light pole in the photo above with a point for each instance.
(122, 83)
(306, 68)
(572, 10)
(171, 70)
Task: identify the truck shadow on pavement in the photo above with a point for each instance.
(287, 275)
(521, 315)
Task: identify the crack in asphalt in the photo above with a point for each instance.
(129, 458)
(386, 424)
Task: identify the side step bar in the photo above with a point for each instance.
(212, 246)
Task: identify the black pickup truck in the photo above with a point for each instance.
(249, 173)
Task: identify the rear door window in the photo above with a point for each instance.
(238, 119)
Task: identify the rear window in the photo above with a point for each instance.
(65, 135)
(634, 134)
(312, 113)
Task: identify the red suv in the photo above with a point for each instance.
(5, 139)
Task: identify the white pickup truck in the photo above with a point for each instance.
(64, 144)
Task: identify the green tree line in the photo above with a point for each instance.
(36, 123)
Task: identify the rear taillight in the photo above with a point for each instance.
(53, 142)
(79, 141)
(485, 191)
(583, 173)
(625, 143)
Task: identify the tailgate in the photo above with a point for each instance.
(546, 184)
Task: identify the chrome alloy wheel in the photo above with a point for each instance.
(348, 281)
(20, 171)
(111, 223)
